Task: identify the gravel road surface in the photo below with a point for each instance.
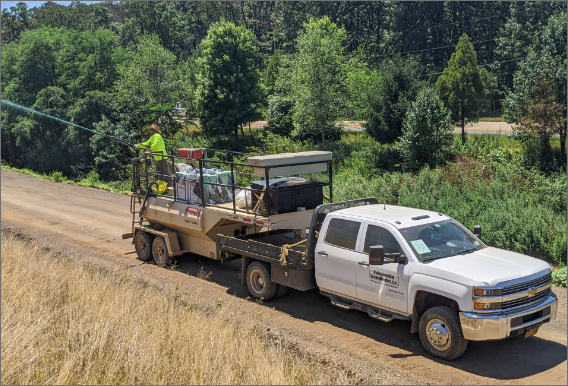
(87, 224)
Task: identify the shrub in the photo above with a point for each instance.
(57, 177)
(559, 277)
(92, 178)
(280, 119)
(427, 134)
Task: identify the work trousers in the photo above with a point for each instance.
(164, 168)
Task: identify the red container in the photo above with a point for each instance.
(190, 153)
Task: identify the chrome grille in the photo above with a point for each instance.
(538, 282)
(526, 300)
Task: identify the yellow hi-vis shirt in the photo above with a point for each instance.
(156, 143)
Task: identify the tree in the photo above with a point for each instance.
(148, 75)
(537, 102)
(15, 21)
(395, 88)
(319, 79)
(427, 132)
(229, 92)
(461, 86)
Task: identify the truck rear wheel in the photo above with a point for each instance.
(143, 245)
(282, 289)
(258, 281)
(160, 252)
(441, 333)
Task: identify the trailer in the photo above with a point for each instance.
(272, 230)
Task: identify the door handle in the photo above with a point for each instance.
(324, 253)
(365, 263)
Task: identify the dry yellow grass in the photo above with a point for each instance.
(64, 323)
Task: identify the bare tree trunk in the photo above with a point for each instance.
(242, 131)
(463, 123)
(563, 145)
(236, 134)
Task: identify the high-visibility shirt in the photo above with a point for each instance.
(156, 143)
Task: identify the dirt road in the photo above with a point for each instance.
(88, 223)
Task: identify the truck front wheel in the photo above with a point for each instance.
(441, 333)
(258, 281)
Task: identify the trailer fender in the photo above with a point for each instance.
(170, 236)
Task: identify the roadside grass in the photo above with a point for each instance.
(65, 323)
(492, 119)
(91, 180)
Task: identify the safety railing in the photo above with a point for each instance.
(144, 175)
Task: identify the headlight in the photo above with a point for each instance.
(486, 306)
(486, 298)
(486, 292)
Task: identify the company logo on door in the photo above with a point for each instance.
(383, 278)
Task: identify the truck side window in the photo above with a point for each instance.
(342, 233)
(381, 236)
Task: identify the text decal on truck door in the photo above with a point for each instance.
(384, 278)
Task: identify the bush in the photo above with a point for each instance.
(280, 119)
(387, 103)
(57, 177)
(559, 277)
(427, 134)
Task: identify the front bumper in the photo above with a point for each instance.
(476, 326)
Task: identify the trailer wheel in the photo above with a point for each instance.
(143, 245)
(258, 281)
(441, 333)
(160, 252)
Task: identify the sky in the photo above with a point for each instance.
(31, 4)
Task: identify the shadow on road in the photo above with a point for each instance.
(507, 359)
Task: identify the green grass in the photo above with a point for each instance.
(492, 119)
(90, 181)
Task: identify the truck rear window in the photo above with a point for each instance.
(342, 233)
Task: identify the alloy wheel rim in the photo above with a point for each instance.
(438, 334)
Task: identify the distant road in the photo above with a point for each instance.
(501, 128)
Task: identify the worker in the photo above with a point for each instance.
(156, 144)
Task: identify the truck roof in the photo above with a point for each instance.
(398, 216)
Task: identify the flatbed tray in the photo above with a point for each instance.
(267, 246)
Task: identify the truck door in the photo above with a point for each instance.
(336, 257)
(384, 285)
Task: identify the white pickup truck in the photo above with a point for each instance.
(403, 263)
(389, 261)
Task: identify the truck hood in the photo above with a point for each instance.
(490, 266)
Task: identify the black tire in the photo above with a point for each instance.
(281, 291)
(441, 333)
(258, 281)
(143, 245)
(160, 252)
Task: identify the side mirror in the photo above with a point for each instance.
(377, 255)
(477, 231)
(398, 258)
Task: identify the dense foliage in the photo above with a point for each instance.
(538, 101)
(119, 66)
(427, 133)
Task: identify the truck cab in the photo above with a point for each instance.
(404, 263)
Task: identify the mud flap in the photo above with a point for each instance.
(415, 320)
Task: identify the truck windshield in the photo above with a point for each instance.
(441, 239)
